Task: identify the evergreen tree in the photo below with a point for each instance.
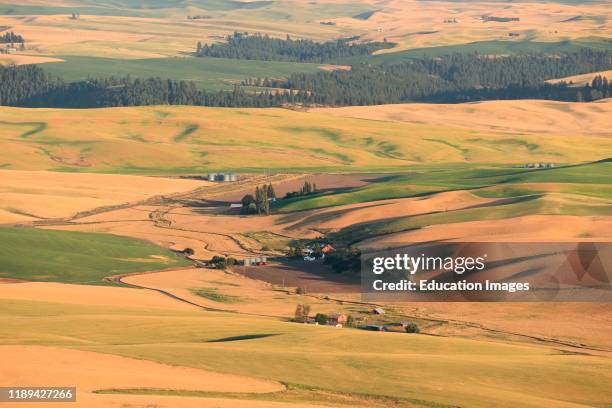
(271, 192)
(258, 200)
(265, 200)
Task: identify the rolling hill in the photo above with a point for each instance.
(174, 140)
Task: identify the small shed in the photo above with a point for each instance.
(378, 311)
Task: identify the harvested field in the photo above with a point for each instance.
(588, 323)
(22, 59)
(35, 195)
(89, 295)
(249, 296)
(581, 80)
(248, 346)
(90, 371)
(516, 117)
(415, 24)
(531, 228)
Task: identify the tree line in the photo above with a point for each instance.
(31, 86)
(10, 38)
(308, 188)
(262, 47)
(450, 79)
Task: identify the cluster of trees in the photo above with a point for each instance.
(262, 47)
(301, 313)
(411, 327)
(295, 252)
(260, 203)
(345, 260)
(10, 38)
(307, 189)
(600, 88)
(221, 262)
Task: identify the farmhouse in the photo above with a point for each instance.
(327, 249)
(336, 319)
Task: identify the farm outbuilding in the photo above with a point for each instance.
(222, 177)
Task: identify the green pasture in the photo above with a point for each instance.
(76, 257)
(211, 74)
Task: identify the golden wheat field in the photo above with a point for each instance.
(527, 117)
(583, 79)
(31, 195)
(158, 140)
(208, 349)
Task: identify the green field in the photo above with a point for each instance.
(412, 368)
(76, 257)
(582, 190)
(207, 73)
(486, 181)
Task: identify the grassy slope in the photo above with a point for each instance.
(173, 140)
(474, 373)
(583, 190)
(208, 73)
(427, 180)
(76, 257)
